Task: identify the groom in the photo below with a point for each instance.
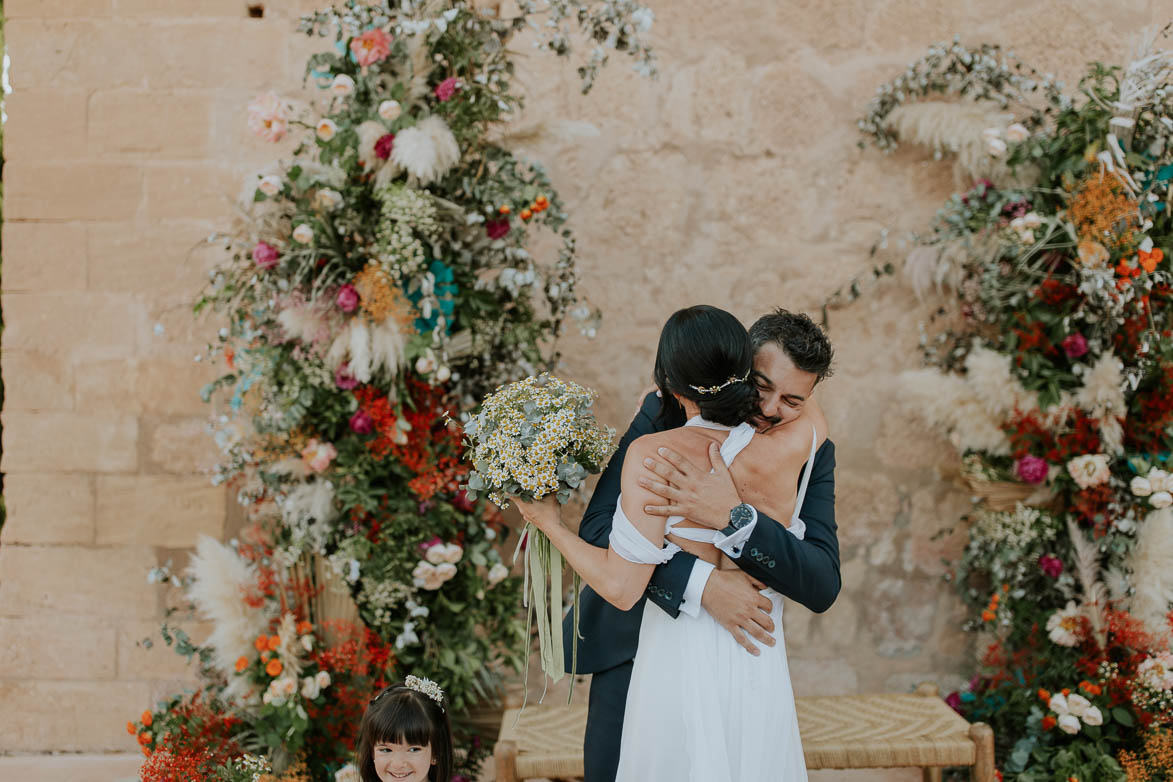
(791, 355)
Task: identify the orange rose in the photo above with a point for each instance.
(262, 643)
(130, 728)
(988, 616)
(304, 627)
(146, 752)
(273, 668)
(147, 719)
(241, 663)
(274, 643)
(1044, 695)
(144, 738)
(1048, 722)
(1149, 260)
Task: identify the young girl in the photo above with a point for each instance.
(405, 735)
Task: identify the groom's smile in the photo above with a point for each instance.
(782, 387)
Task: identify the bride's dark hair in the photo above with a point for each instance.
(703, 347)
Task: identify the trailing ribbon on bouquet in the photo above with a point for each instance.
(542, 598)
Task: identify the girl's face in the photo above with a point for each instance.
(402, 762)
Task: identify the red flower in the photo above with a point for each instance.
(496, 228)
(361, 422)
(1075, 345)
(384, 146)
(446, 89)
(265, 255)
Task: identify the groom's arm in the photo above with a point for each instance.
(807, 570)
(671, 580)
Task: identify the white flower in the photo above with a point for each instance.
(266, 117)
(497, 574)
(323, 679)
(446, 570)
(1159, 479)
(996, 147)
(1027, 236)
(643, 18)
(1058, 703)
(428, 576)
(447, 552)
(1069, 723)
(307, 643)
(1063, 626)
(1089, 470)
(427, 151)
(1141, 487)
(1077, 704)
(991, 134)
(327, 199)
(270, 185)
(347, 773)
(303, 233)
(1032, 220)
(442, 374)
(408, 637)
(1161, 499)
(435, 554)
(310, 688)
(1017, 132)
(390, 110)
(1093, 716)
(426, 363)
(326, 129)
(342, 85)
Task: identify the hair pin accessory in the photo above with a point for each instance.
(715, 389)
(427, 687)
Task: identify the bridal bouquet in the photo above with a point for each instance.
(533, 438)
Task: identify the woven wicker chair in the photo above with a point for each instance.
(846, 731)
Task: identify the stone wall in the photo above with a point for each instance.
(733, 180)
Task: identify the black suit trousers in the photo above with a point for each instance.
(604, 729)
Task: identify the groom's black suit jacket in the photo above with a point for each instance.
(806, 571)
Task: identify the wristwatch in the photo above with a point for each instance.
(740, 516)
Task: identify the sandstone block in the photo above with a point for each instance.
(215, 54)
(181, 9)
(65, 648)
(33, 718)
(173, 387)
(45, 124)
(36, 381)
(159, 258)
(57, 9)
(93, 325)
(71, 191)
(172, 125)
(44, 256)
(181, 447)
(64, 442)
(51, 508)
(818, 675)
(107, 387)
(865, 505)
(81, 581)
(189, 191)
(157, 510)
(56, 50)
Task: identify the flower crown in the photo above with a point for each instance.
(427, 687)
(715, 389)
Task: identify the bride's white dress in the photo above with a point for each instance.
(700, 707)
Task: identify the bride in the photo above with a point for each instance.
(699, 708)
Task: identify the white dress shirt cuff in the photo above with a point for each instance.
(691, 604)
(731, 545)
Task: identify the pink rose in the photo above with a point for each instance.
(462, 502)
(265, 255)
(1052, 566)
(343, 379)
(361, 422)
(1074, 345)
(1031, 469)
(317, 456)
(384, 146)
(496, 228)
(266, 117)
(446, 89)
(371, 47)
(347, 298)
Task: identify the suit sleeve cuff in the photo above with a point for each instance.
(731, 545)
(691, 604)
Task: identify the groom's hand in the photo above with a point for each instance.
(690, 491)
(732, 599)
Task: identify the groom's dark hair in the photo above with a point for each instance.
(799, 338)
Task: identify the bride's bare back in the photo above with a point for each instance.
(766, 472)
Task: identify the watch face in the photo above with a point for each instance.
(740, 516)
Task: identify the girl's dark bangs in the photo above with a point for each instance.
(403, 721)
